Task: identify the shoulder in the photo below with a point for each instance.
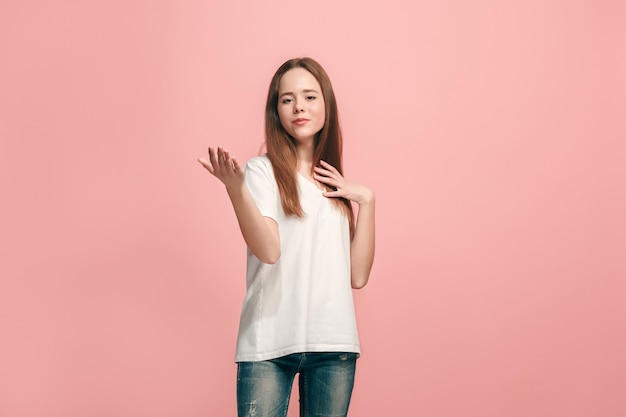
(261, 162)
(259, 168)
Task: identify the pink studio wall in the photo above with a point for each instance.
(493, 133)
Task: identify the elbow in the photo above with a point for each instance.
(360, 275)
(271, 261)
(270, 258)
(266, 253)
(359, 282)
(357, 286)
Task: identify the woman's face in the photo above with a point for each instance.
(301, 104)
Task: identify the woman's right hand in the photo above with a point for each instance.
(224, 167)
(259, 232)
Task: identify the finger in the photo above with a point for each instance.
(332, 194)
(327, 180)
(214, 158)
(237, 167)
(228, 160)
(323, 173)
(206, 164)
(329, 167)
(222, 160)
(224, 156)
(331, 172)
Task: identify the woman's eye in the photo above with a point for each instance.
(311, 98)
(286, 100)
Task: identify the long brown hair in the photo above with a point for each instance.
(281, 148)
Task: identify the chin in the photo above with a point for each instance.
(303, 138)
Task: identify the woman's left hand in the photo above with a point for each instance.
(328, 175)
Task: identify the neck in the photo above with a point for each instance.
(304, 153)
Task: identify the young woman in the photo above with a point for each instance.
(306, 251)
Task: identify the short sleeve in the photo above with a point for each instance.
(262, 185)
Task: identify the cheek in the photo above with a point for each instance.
(321, 112)
(283, 115)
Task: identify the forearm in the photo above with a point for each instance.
(260, 233)
(362, 246)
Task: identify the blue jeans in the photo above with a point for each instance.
(325, 383)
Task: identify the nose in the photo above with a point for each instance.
(297, 107)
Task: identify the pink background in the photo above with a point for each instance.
(493, 133)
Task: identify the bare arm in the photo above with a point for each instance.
(260, 233)
(363, 241)
(362, 246)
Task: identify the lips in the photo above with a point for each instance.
(300, 122)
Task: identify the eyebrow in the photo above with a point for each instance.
(289, 93)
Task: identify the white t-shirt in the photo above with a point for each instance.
(302, 303)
